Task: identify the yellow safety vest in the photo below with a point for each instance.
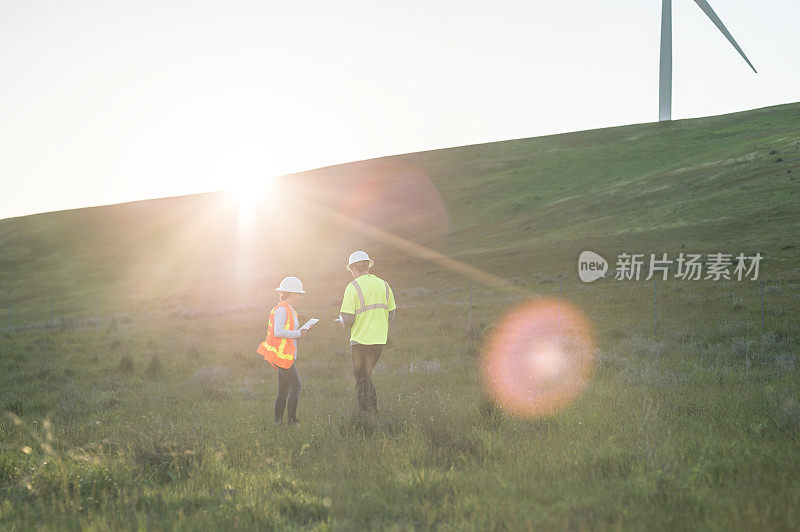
(369, 299)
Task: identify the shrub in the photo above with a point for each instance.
(165, 460)
(9, 471)
(212, 381)
(787, 414)
(489, 413)
(449, 443)
(154, 367)
(357, 425)
(84, 483)
(126, 364)
(193, 353)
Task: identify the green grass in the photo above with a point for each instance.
(166, 423)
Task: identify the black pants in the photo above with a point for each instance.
(289, 387)
(364, 359)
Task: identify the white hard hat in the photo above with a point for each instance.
(291, 284)
(359, 256)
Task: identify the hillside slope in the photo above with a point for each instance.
(131, 396)
(726, 183)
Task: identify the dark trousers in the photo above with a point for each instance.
(364, 359)
(289, 387)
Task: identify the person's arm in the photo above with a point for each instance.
(280, 323)
(391, 302)
(349, 306)
(348, 319)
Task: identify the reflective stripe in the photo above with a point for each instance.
(372, 307)
(288, 325)
(360, 295)
(279, 351)
(363, 307)
(281, 346)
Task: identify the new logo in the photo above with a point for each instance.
(591, 266)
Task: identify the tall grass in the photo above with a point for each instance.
(695, 426)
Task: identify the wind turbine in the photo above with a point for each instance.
(665, 79)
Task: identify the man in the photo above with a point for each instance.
(367, 307)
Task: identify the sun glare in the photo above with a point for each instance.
(247, 193)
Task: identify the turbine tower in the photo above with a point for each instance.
(665, 78)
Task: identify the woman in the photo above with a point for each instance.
(280, 350)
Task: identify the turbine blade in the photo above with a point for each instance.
(706, 7)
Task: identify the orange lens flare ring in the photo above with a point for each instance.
(539, 358)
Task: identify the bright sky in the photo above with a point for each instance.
(104, 102)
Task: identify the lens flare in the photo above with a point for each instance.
(371, 203)
(539, 358)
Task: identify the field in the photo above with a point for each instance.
(132, 397)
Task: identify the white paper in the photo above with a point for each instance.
(307, 325)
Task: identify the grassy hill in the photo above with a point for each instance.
(707, 183)
(133, 397)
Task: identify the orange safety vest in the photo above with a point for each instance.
(279, 351)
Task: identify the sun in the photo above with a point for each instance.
(247, 193)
